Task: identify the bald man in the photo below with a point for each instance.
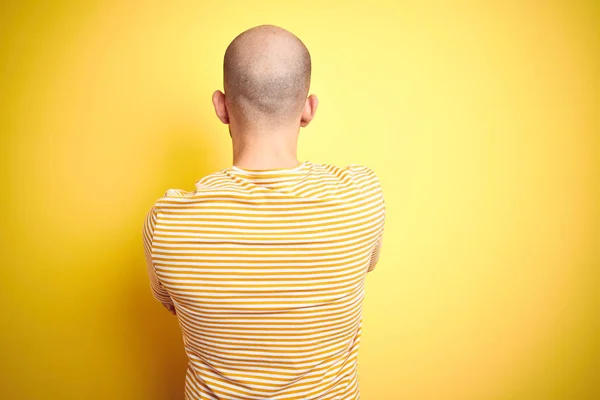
(264, 262)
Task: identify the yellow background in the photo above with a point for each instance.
(481, 119)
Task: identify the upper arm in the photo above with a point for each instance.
(374, 186)
(150, 222)
(375, 254)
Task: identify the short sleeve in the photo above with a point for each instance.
(380, 207)
(368, 182)
(158, 291)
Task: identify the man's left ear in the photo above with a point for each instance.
(310, 108)
(218, 100)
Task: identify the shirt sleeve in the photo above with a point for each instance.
(380, 206)
(158, 291)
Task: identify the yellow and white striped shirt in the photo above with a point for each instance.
(266, 270)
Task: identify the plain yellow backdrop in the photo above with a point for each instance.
(481, 119)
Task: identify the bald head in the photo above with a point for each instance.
(266, 75)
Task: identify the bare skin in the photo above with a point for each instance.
(261, 140)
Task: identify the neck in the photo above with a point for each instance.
(265, 149)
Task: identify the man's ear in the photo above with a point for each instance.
(310, 108)
(218, 100)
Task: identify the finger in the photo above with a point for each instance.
(169, 307)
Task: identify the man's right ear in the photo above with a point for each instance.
(218, 100)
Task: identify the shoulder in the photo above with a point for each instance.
(364, 176)
(361, 171)
(216, 179)
(213, 180)
(209, 183)
(361, 175)
(353, 170)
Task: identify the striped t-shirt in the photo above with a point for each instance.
(266, 271)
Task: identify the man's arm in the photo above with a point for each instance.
(375, 254)
(158, 291)
(380, 202)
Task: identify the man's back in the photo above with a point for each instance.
(266, 271)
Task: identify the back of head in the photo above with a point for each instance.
(266, 73)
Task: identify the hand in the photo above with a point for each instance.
(170, 307)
